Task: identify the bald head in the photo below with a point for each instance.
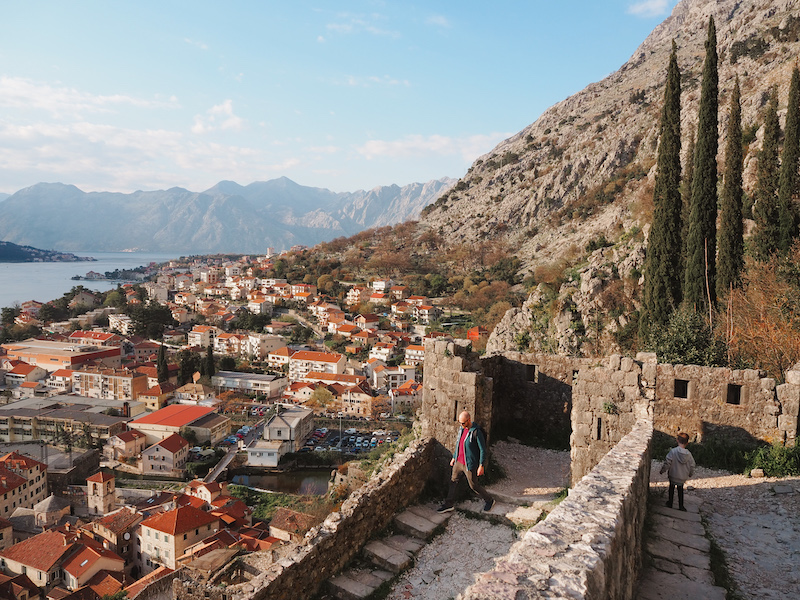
(464, 419)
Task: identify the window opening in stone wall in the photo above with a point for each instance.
(533, 373)
(575, 376)
(599, 427)
(734, 394)
(681, 388)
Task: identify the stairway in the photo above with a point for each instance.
(383, 558)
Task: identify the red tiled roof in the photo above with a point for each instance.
(15, 460)
(106, 583)
(180, 520)
(29, 384)
(173, 443)
(10, 480)
(120, 520)
(40, 552)
(137, 587)
(175, 415)
(291, 521)
(23, 369)
(187, 500)
(130, 435)
(61, 373)
(100, 477)
(317, 356)
(85, 558)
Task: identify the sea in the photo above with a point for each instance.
(45, 281)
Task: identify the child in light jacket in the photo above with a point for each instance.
(679, 466)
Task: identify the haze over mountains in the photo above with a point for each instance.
(225, 218)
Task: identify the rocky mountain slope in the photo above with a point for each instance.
(225, 218)
(582, 175)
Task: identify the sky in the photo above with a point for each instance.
(349, 95)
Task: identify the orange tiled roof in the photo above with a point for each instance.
(174, 415)
(173, 443)
(179, 520)
(120, 520)
(40, 552)
(10, 480)
(85, 558)
(130, 435)
(100, 477)
(316, 356)
(291, 521)
(15, 460)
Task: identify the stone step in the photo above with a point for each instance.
(357, 584)
(426, 512)
(404, 543)
(415, 525)
(384, 556)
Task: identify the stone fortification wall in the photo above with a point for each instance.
(453, 381)
(533, 394)
(161, 589)
(590, 546)
(328, 547)
(607, 401)
(736, 405)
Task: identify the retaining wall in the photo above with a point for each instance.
(590, 546)
(328, 548)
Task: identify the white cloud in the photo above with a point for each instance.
(469, 148)
(349, 24)
(438, 20)
(18, 92)
(649, 8)
(219, 116)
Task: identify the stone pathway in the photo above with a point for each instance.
(678, 565)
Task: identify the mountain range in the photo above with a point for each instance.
(225, 218)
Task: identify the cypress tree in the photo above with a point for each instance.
(686, 196)
(766, 238)
(731, 231)
(210, 369)
(662, 283)
(702, 241)
(789, 181)
(161, 365)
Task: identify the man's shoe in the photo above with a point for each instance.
(488, 506)
(444, 508)
(683, 508)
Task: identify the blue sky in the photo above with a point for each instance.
(127, 95)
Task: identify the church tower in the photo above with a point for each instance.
(100, 494)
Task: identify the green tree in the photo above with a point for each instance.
(789, 181)
(227, 363)
(766, 238)
(161, 364)
(208, 364)
(662, 267)
(687, 339)
(731, 231)
(686, 196)
(187, 366)
(700, 281)
(189, 434)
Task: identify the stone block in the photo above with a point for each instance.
(386, 557)
(757, 473)
(793, 377)
(767, 383)
(631, 378)
(626, 364)
(614, 361)
(414, 525)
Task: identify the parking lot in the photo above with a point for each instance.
(351, 441)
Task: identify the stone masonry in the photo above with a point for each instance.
(590, 545)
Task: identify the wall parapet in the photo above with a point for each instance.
(590, 546)
(328, 547)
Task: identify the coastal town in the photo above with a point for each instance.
(246, 372)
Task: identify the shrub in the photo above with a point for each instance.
(777, 460)
(687, 339)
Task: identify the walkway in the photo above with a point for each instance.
(677, 554)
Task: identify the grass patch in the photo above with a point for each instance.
(777, 460)
(266, 504)
(715, 453)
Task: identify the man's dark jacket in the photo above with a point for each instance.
(474, 447)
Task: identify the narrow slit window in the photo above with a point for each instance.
(734, 394)
(681, 388)
(533, 373)
(599, 427)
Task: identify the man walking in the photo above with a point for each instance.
(468, 459)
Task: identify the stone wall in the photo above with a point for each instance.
(453, 381)
(590, 546)
(607, 402)
(533, 395)
(328, 547)
(737, 405)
